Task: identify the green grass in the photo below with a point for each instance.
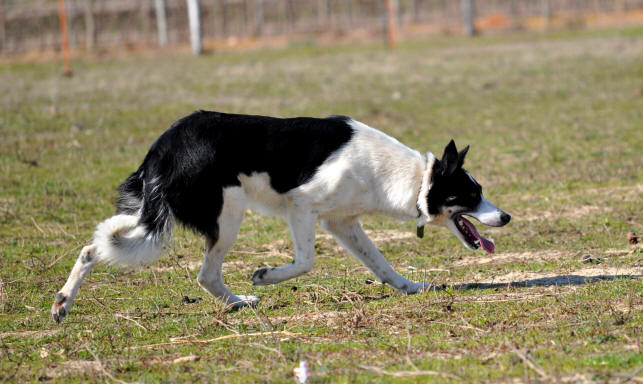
(554, 122)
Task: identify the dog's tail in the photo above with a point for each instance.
(136, 235)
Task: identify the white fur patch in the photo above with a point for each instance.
(121, 240)
(371, 174)
(422, 202)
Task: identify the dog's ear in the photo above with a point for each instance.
(450, 158)
(461, 156)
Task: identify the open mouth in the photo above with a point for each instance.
(470, 235)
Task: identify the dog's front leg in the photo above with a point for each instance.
(65, 297)
(302, 230)
(217, 246)
(350, 235)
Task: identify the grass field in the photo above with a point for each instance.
(555, 126)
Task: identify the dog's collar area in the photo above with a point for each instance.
(422, 203)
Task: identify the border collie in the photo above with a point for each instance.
(209, 167)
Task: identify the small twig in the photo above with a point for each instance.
(62, 254)
(4, 297)
(132, 320)
(250, 253)
(471, 326)
(408, 352)
(98, 301)
(527, 361)
(631, 377)
(232, 336)
(102, 368)
(381, 371)
(460, 326)
(65, 232)
(267, 348)
(37, 226)
(225, 325)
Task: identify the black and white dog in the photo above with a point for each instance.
(209, 167)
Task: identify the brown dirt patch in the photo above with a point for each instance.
(32, 334)
(509, 257)
(624, 192)
(544, 255)
(570, 213)
(577, 277)
(77, 367)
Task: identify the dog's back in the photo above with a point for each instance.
(189, 165)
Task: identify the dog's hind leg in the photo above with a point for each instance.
(350, 235)
(65, 297)
(218, 244)
(302, 230)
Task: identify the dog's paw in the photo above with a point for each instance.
(245, 301)
(258, 276)
(420, 287)
(60, 308)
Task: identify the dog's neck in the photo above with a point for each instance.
(422, 205)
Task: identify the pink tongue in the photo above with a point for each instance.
(484, 243)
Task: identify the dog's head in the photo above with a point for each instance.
(449, 193)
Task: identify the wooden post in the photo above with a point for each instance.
(3, 36)
(259, 16)
(144, 14)
(468, 16)
(70, 8)
(161, 22)
(391, 18)
(414, 11)
(398, 14)
(64, 37)
(547, 12)
(194, 17)
(90, 25)
(321, 13)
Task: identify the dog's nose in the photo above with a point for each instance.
(505, 218)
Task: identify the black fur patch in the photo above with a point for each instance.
(259, 273)
(188, 166)
(452, 186)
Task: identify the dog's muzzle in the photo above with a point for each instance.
(489, 214)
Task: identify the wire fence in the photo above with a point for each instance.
(33, 25)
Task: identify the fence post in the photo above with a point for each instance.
(161, 22)
(391, 19)
(398, 14)
(90, 26)
(547, 12)
(194, 16)
(258, 17)
(3, 41)
(64, 37)
(468, 16)
(144, 15)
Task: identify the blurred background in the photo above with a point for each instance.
(100, 25)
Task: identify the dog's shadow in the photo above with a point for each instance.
(560, 280)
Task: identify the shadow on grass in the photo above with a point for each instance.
(561, 280)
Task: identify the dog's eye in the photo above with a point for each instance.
(451, 199)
